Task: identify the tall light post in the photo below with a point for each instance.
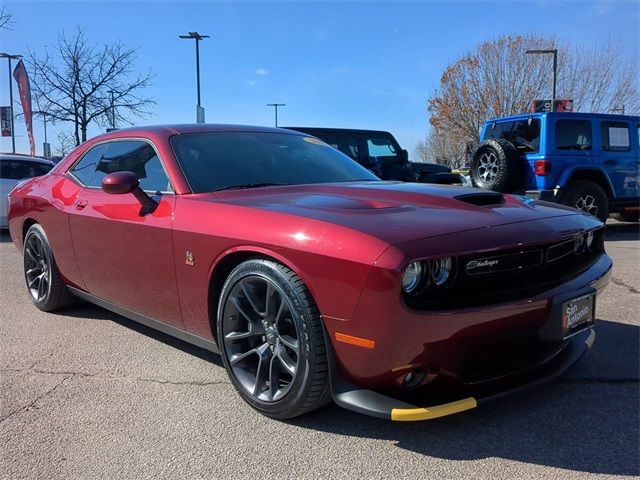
(46, 148)
(113, 109)
(197, 37)
(275, 106)
(13, 127)
(553, 52)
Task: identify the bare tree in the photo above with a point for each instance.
(66, 143)
(499, 79)
(74, 83)
(440, 148)
(5, 18)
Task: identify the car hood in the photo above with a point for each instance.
(396, 212)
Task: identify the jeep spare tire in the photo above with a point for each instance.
(496, 165)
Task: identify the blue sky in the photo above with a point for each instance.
(343, 64)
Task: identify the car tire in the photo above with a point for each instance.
(587, 196)
(496, 165)
(44, 282)
(271, 338)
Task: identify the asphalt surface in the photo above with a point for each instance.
(88, 394)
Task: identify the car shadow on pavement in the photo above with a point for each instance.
(588, 421)
(84, 310)
(617, 232)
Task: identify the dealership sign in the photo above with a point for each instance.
(6, 121)
(539, 106)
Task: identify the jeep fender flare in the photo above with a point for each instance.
(592, 173)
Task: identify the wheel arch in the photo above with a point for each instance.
(230, 259)
(595, 175)
(26, 225)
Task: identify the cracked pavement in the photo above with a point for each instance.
(88, 394)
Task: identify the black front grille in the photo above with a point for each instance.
(518, 274)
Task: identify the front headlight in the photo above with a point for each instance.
(412, 277)
(440, 270)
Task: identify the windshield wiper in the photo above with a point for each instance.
(249, 185)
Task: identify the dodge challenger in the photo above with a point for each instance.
(313, 279)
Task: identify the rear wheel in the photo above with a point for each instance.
(45, 284)
(271, 339)
(587, 196)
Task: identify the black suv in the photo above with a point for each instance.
(376, 150)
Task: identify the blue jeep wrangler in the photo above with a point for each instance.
(586, 160)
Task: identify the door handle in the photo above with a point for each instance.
(610, 162)
(80, 204)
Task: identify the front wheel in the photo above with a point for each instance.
(588, 197)
(271, 338)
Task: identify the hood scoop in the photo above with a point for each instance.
(481, 199)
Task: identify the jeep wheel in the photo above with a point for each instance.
(588, 197)
(496, 165)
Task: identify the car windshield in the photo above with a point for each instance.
(226, 160)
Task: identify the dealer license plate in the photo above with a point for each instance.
(578, 313)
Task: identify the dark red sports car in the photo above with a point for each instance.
(313, 278)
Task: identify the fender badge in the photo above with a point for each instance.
(189, 258)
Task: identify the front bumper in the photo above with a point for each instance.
(378, 405)
(467, 356)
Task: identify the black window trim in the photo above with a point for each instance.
(122, 139)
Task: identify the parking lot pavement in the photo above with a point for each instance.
(88, 394)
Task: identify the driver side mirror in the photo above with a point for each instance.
(118, 183)
(404, 156)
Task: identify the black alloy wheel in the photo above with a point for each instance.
(271, 339)
(587, 196)
(46, 286)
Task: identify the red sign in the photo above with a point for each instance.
(20, 74)
(563, 105)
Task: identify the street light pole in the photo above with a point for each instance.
(13, 127)
(113, 110)
(553, 52)
(275, 106)
(197, 37)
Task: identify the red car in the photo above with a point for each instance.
(312, 278)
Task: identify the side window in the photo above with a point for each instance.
(381, 147)
(18, 169)
(128, 155)
(137, 157)
(573, 135)
(615, 136)
(86, 167)
(347, 145)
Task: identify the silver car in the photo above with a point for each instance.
(14, 168)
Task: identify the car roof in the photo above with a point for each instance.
(178, 129)
(28, 158)
(353, 131)
(563, 115)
